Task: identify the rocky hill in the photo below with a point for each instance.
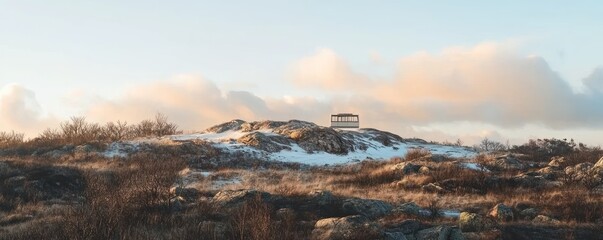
(306, 142)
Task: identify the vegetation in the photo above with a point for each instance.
(152, 194)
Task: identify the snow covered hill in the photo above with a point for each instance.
(308, 143)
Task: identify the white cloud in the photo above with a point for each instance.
(20, 111)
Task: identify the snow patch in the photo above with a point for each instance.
(474, 166)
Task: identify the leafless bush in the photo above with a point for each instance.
(157, 127)
(117, 131)
(487, 145)
(122, 200)
(10, 139)
(544, 149)
(416, 154)
(253, 221)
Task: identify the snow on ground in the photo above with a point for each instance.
(450, 213)
(376, 150)
(474, 166)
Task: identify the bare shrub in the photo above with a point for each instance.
(487, 145)
(117, 131)
(10, 139)
(253, 221)
(157, 127)
(416, 154)
(119, 201)
(544, 149)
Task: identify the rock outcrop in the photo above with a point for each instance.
(501, 212)
(261, 141)
(236, 197)
(366, 207)
(350, 227)
(473, 222)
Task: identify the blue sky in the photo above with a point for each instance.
(100, 50)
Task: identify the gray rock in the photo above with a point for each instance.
(323, 198)
(501, 212)
(408, 208)
(408, 226)
(472, 222)
(508, 161)
(545, 220)
(456, 234)
(366, 207)
(266, 143)
(188, 194)
(177, 203)
(394, 236)
(15, 181)
(312, 137)
(236, 197)
(406, 167)
(529, 213)
(599, 163)
(233, 125)
(557, 162)
(435, 233)
(350, 227)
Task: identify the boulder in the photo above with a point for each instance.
(597, 170)
(528, 213)
(599, 163)
(408, 208)
(508, 161)
(267, 143)
(177, 203)
(456, 234)
(236, 197)
(366, 207)
(261, 125)
(188, 194)
(350, 227)
(548, 170)
(441, 232)
(408, 226)
(312, 137)
(323, 198)
(406, 167)
(557, 162)
(472, 222)
(233, 125)
(545, 220)
(394, 236)
(385, 138)
(579, 171)
(501, 212)
(15, 181)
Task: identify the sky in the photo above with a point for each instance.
(439, 70)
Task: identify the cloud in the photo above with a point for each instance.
(489, 83)
(594, 82)
(326, 70)
(20, 111)
(196, 103)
